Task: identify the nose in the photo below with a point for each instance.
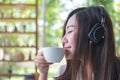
(64, 40)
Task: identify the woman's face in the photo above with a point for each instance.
(69, 39)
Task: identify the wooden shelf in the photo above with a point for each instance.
(17, 19)
(16, 5)
(17, 33)
(30, 75)
(12, 17)
(16, 61)
(17, 46)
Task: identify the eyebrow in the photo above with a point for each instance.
(70, 26)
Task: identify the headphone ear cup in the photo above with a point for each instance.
(97, 33)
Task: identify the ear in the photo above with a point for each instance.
(97, 33)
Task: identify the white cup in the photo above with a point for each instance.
(53, 55)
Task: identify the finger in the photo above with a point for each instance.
(42, 64)
(40, 58)
(41, 61)
(40, 51)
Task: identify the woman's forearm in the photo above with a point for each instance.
(43, 76)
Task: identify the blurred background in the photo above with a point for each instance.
(28, 25)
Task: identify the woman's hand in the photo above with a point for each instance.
(42, 64)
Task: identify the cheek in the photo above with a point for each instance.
(74, 39)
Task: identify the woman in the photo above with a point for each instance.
(88, 40)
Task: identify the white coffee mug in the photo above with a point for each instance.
(53, 55)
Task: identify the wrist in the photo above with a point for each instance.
(43, 76)
(44, 71)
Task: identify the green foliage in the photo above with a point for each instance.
(53, 36)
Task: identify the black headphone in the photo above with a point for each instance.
(97, 33)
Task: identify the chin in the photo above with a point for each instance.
(68, 58)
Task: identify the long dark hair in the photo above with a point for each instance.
(92, 60)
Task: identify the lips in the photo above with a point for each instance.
(67, 49)
(67, 52)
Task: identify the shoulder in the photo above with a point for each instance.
(60, 70)
(118, 64)
(118, 68)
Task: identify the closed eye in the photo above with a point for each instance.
(70, 31)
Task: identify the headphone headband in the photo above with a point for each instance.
(102, 15)
(97, 33)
